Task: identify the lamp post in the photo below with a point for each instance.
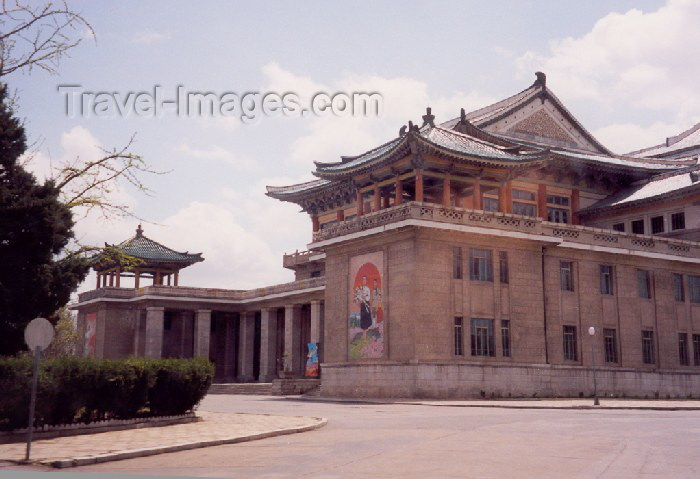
(591, 333)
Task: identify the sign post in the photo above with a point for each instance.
(38, 335)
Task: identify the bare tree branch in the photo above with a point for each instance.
(38, 36)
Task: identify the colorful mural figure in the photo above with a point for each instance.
(90, 335)
(366, 321)
(312, 361)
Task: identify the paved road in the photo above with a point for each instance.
(414, 441)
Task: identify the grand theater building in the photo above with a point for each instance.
(504, 253)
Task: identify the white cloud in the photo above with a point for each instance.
(629, 63)
(149, 38)
(215, 153)
(626, 137)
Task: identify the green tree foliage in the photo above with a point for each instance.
(66, 339)
(35, 228)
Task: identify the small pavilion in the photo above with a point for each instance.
(155, 261)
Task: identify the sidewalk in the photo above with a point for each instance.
(214, 429)
(639, 404)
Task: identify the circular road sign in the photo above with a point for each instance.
(38, 334)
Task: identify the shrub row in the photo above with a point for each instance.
(75, 389)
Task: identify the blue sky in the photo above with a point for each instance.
(624, 68)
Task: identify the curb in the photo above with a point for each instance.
(116, 456)
(493, 406)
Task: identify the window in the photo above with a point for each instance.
(489, 198)
(459, 346)
(457, 262)
(643, 284)
(648, 347)
(490, 204)
(558, 210)
(482, 337)
(503, 266)
(696, 349)
(524, 202)
(657, 225)
(316, 274)
(694, 288)
(570, 343)
(678, 290)
(638, 227)
(566, 270)
(610, 340)
(606, 279)
(619, 227)
(678, 221)
(683, 349)
(505, 337)
(480, 265)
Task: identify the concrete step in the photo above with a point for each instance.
(241, 388)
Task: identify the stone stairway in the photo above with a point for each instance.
(241, 388)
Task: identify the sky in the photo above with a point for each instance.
(626, 69)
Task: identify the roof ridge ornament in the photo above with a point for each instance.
(139, 231)
(429, 118)
(541, 80)
(462, 116)
(402, 130)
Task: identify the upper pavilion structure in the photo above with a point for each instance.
(154, 261)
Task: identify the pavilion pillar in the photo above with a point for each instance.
(118, 277)
(542, 201)
(315, 223)
(419, 186)
(574, 206)
(168, 276)
(156, 277)
(377, 198)
(504, 197)
(202, 333)
(268, 345)
(137, 278)
(175, 277)
(398, 198)
(476, 195)
(446, 193)
(385, 200)
(340, 215)
(97, 276)
(360, 203)
(246, 345)
(292, 338)
(155, 319)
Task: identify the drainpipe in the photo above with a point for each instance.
(544, 309)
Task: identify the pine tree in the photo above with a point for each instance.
(36, 276)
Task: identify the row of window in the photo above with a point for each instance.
(648, 354)
(482, 337)
(480, 264)
(657, 223)
(525, 203)
(643, 282)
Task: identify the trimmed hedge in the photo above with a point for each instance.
(75, 389)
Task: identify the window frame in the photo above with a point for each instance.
(644, 284)
(475, 273)
(637, 222)
(696, 349)
(457, 263)
(678, 287)
(654, 224)
(674, 216)
(616, 227)
(648, 353)
(609, 288)
(694, 288)
(570, 338)
(524, 202)
(458, 336)
(683, 356)
(506, 346)
(503, 272)
(562, 283)
(481, 345)
(610, 345)
(554, 209)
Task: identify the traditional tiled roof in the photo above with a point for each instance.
(291, 190)
(659, 186)
(684, 144)
(151, 251)
(621, 161)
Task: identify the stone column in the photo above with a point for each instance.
(446, 193)
(360, 203)
(419, 186)
(202, 333)
(315, 225)
(154, 332)
(476, 195)
(398, 199)
(246, 340)
(542, 201)
(292, 338)
(575, 202)
(268, 345)
(376, 199)
(316, 321)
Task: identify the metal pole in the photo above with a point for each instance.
(595, 384)
(32, 402)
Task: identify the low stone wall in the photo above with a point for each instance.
(288, 387)
(463, 380)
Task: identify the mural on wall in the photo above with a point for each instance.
(90, 335)
(366, 319)
(312, 361)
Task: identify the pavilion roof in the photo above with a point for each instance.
(152, 252)
(682, 145)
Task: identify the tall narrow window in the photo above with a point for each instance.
(643, 284)
(480, 265)
(570, 343)
(558, 209)
(610, 339)
(459, 337)
(619, 227)
(678, 289)
(566, 275)
(683, 349)
(503, 266)
(696, 349)
(505, 337)
(638, 227)
(489, 198)
(482, 337)
(657, 225)
(648, 347)
(606, 279)
(678, 221)
(457, 262)
(694, 289)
